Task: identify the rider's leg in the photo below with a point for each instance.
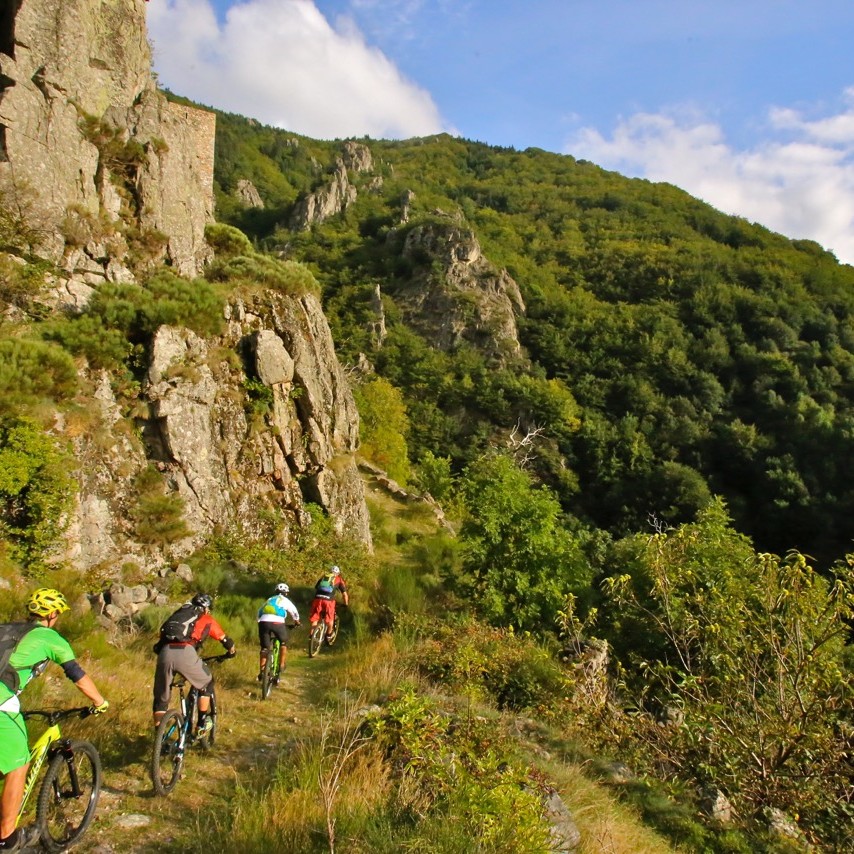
(10, 802)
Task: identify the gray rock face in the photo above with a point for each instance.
(248, 193)
(229, 467)
(565, 836)
(470, 301)
(75, 88)
(326, 202)
(338, 194)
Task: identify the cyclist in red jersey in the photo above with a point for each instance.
(177, 651)
(323, 605)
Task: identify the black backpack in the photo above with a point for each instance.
(179, 627)
(10, 637)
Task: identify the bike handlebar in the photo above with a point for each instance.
(56, 715)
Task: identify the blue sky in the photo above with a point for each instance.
(747, 104)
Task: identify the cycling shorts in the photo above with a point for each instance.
(266, 631)
(185, 660)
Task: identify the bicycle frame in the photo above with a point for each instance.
(38, 754)
(188, 703)
(70, 770)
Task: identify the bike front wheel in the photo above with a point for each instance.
(168, 757)
(315, 638)
(69, 795)
(332, 636)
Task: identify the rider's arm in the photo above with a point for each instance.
(87, 687)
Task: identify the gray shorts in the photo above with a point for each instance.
(185, 660)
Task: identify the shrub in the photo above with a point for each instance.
(383, 427)
(36, 491)
(32, 370)
(458, 779)
(748, 648)
(511, 670)
(227, 241)
(159, 516)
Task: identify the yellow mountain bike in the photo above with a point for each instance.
(72, 783)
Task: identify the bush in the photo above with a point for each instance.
(459, 780)
(511, 670)
(159, 516)
(32, 370)
(36, 491)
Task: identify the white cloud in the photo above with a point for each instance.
(798, 181)
(281, 62)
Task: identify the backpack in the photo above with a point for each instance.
(10, 637)
(179, 627)
(324, 586)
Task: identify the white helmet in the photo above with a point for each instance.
(336, 570)
(283, 588)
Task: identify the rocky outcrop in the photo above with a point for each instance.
(115, 175)
(338, 194)
(234, 466)
(469, 300)
(248, 194)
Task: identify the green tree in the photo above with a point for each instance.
(747, 649)
(36, 490)
(383, 427)
(520, 561)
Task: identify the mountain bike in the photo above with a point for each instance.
(177, 731)
(319, 634)
(272, 670)
(72, 783)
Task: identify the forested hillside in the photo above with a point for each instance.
(669, 352)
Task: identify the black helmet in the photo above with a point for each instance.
(202, 600)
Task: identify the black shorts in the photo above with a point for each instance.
(266, 631)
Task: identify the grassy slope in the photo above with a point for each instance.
(261, 772)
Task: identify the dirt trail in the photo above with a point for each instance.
(252, 734)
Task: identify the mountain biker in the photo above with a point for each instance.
(323, 605)
(39, 644)
(177, 651)
(271, 621)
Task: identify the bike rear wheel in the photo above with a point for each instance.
(269, 676)
(315, 638)
(69, 795)
(168, 758)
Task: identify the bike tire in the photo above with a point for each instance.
(68, 796)
(269, 671)
(332, 636)
(167, 759)
(315, 638)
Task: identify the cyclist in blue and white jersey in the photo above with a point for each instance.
(272, 616)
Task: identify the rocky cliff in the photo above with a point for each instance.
(233, 470)
(117, 177)
(236, 432)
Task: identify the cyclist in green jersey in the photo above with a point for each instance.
(39, 645)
